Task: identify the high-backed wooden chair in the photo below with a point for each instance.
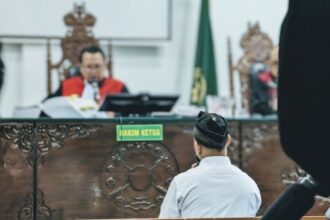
(257, 47)
(78, 36)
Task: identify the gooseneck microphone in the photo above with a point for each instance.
(96, 92)
(294, 202)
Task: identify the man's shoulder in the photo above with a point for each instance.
(187, 175)
(240, 173)
(110, 79)
(245, 179)
(73, 80)
(112, 85)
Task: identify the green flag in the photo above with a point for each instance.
(205, 78)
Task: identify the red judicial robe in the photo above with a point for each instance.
(75, 86)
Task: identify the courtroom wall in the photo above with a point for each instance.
(142, 19)
(166, 64)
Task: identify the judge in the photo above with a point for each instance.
(91, 83)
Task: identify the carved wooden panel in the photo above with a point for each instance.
(43, 212)
(16, 179)
(135, 177)
(24, 148)
(102, 178)
(82, 172)
(265, 161)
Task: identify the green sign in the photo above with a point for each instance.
(152, 132)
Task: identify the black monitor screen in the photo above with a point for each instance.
(141, 104)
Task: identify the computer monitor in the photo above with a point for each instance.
(140, 104)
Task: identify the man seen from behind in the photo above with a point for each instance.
(214, 188)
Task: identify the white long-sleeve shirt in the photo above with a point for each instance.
(215, 188)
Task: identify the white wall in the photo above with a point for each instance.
(139, 19)
(161, 67)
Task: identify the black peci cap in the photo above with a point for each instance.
(211, 130)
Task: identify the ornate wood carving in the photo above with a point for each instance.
(247, 138)
(103, 178)
(44, 212)
(254, 135)
(22, 135)
(256, 46)
(46, 137)
(136, 176)
(50, 136)
(78, 36)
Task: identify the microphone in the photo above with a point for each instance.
(294, 202)
(95, 86)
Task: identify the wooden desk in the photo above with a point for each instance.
(76, 168)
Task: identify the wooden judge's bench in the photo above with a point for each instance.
(67, 169)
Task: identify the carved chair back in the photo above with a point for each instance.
(257, 46)
(78, 36)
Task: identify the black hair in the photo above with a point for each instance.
(91, 49)
(205, 142)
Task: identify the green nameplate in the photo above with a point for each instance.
(152, 132)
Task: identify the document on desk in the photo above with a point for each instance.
(70, 107)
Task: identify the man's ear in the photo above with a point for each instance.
(197, 148)
(229, 139)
